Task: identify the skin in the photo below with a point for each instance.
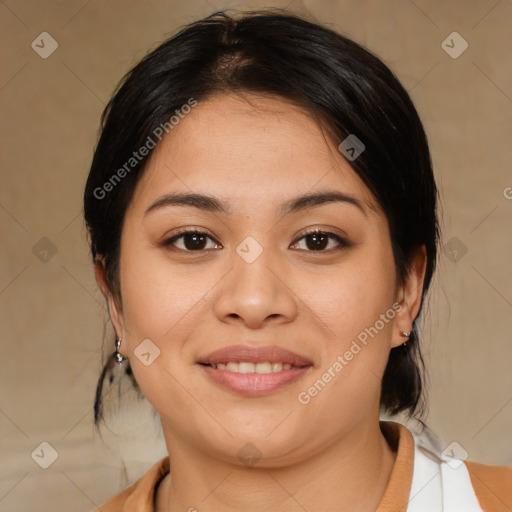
(255, 153)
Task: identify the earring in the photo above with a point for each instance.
(405, 334)
(117, 355)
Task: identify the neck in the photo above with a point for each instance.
(350, 474)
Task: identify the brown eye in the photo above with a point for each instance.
(190, 241)
(319, 241)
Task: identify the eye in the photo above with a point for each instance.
(317, 240)
(191, 240)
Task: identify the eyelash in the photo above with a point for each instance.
(343, 243)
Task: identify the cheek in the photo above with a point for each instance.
(357, 309)
(351, 298)
(159, 299)
(163, 304)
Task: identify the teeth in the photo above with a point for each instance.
(245, 367)
(232, 367)
(264, 368)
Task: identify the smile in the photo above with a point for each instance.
(253, 379)
(248, 367)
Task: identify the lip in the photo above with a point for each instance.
(254, 384)
(251, 354)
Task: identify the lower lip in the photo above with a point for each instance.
(254, 384)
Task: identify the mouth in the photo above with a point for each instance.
(250, 367)
(254, 371)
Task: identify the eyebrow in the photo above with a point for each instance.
(294, 205)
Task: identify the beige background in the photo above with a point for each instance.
(52, 315)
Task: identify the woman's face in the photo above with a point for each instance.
(254, 278)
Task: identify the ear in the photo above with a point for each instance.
(409, 296)
(114, 309)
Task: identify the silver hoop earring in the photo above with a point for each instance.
(117, 355)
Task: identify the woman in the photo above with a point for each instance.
(262, 215)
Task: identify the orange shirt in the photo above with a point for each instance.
(491, 485)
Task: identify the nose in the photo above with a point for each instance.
(255, 294)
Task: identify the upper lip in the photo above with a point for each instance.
(251, 354)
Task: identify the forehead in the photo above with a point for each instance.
(247, 148)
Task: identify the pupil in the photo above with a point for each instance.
(198, 241)
(318, 241)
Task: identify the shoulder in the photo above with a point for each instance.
(489, 485)
(117, 503)
(492, 486)
(139, 495)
